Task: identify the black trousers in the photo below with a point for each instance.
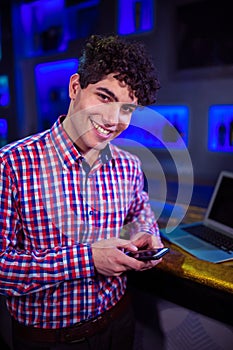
(119, 335)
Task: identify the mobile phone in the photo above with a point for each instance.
(148, 254)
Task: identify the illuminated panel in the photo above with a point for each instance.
(52, 82)
(178, 116)
(49, 25)
(220, 128)
(161, 126)
(4, 91)
(82, 19)
(135, 16)
(3, 132)
(42, 23)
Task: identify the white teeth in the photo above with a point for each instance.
(100, 129)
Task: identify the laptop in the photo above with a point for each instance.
(212, 239)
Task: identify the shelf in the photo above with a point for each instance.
(220, 125)
(52, 82)
(44, 27)
(135, 17)
(160, 126)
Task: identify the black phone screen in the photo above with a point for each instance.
(148, 254)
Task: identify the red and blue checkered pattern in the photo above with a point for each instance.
(52, 208)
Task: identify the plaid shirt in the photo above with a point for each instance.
(53, 206)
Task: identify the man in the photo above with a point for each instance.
(72, 204)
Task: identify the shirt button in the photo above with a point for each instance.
(91, 212)
(90, 283)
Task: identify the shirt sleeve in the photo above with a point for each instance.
(23, 272)
(140, 216)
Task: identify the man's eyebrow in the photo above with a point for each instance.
(109, 92)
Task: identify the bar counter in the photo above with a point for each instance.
(198, 285)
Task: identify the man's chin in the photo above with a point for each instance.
(100, 146)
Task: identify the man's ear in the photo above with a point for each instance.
(74, 86)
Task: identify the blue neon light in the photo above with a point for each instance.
(220, 126)
(56, 66)
(135, 16)
(4, 91)
(3, 126)
(3, 132)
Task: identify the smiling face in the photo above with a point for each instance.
(98, 113)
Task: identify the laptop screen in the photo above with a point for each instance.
(221, 210)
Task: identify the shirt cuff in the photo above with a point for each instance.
(78, 262)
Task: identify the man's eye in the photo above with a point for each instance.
(104, 97)
(127, 108)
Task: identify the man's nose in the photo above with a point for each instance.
(112, 114)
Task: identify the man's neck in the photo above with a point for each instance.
(91, 156)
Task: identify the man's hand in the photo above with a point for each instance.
(110, 259)
(144, 240)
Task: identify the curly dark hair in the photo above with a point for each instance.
(103, 55)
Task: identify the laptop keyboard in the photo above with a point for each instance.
(211, 236)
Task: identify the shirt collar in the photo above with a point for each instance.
(65, 149)
(67, 152)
